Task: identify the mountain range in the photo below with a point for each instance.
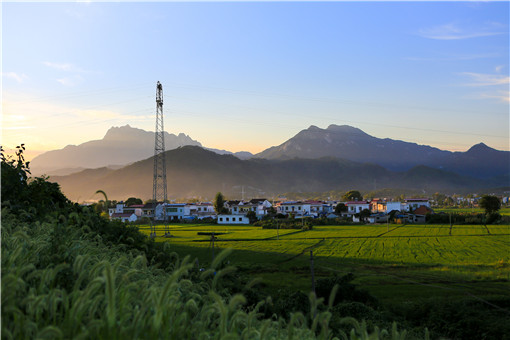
(347, 142)
(119, 147)
(335, 158)
(195, 172)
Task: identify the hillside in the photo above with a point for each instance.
(120, 146)
(195, 172)
(350, 143)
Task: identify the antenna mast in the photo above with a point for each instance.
(159, 182)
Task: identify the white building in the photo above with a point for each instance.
(177, 211)
(124, 217)
(233, 219)
(294, 207)
(411, 204)
(355, 207)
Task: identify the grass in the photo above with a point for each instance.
(417, 261)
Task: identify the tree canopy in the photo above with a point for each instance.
(340, 208)
(133, 201)
(219, 203)
(352, 195)
(491, 204)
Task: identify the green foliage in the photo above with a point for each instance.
(340, 208)
(219, 204)
(346, 290)
(490, 204)
(133, 201)
(352, 195)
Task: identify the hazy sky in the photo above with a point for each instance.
(247, 76)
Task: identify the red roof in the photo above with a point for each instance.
(423, 210)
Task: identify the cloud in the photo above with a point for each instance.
(496, 85)
(453, 32)
(503, 96)
(499, 68)
(12, 75)
(67, 67)
(482, 79)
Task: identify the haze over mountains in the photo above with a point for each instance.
(336, 158)
(119, 147)
(195, 172)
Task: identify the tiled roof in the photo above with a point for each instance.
(423, 210)
(121, 215)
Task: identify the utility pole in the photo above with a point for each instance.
(277, 230)
(311, 269)
(159, 193)
(212, 238)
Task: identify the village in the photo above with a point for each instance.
(411, 210)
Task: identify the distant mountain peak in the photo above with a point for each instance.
(480, 147)
(345, 129)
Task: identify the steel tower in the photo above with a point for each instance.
(159, 182)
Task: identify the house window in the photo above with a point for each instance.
(233, 219)
(299, 208)
(228, 219)
(221, 219)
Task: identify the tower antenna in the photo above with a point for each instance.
(159, 182)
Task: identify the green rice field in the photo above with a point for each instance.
(418, 260)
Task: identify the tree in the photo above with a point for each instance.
(252, 216)
(340, 208)
(364, 214)
(491, 204)
(219, 204)
(352, 195)
(133, 201)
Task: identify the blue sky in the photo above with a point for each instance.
(247, 76)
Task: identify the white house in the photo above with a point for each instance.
(380, 206)
(355, 207)
(233, 219)
(414, 203)
(124, 217)
(176, 211)
(201, 210)
(294, 207)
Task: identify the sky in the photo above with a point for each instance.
(245, 76)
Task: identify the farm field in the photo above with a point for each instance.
(505, 211)
(419, 261)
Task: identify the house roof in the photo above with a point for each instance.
(416, 200)
(136, 206)
(151, 205)
(313, 202)
(293, 203)
(423, 210)
(356, 202)
(121, 215)
(257, 200)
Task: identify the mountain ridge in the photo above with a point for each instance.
(347, 142)
(193, 171)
